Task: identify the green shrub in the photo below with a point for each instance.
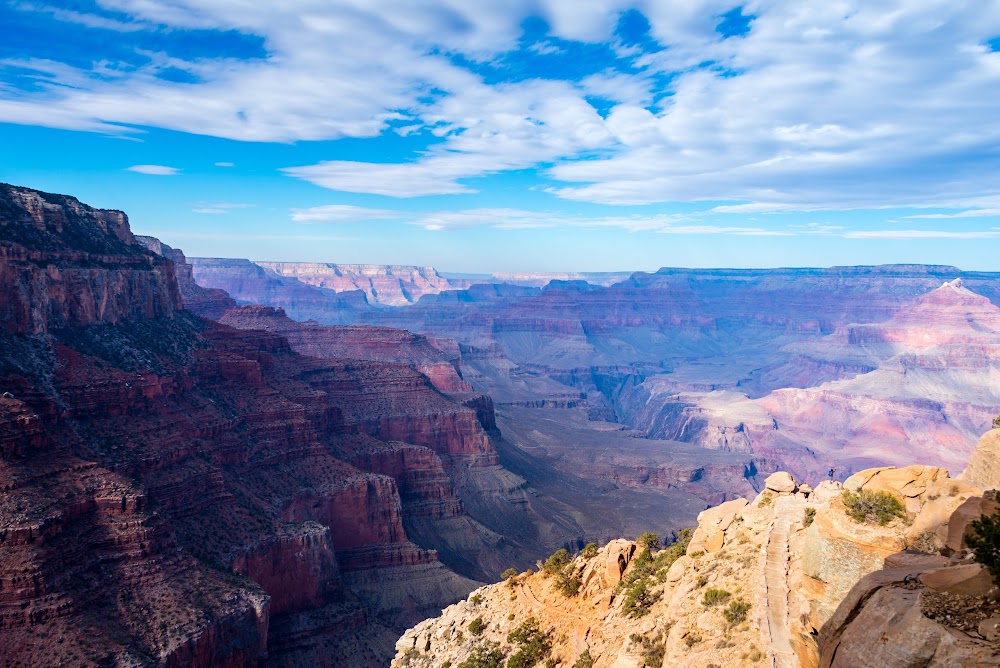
(737, 612)
(648, 540)
(809, 517)
(509, 574)
(476, 599)
(555, 563)
(477, 626)
(568, 584)
(639, 598)
(984, 538)
(590, 551)
(532, 645)
(714, 597)
(486, 655)
(996, 422)
(872, 507)
(584, 660)
(692, 639)
(652, 649)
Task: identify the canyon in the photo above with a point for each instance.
(235, 463)
(191, 481)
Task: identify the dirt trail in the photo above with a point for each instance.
(776, 583)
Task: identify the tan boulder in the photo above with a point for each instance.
(826, 490)
(907, 482)
(805, 489)
(781, 482)
(984, 464)
(618, 555)
(712, 525)
(958, 524)
(966, 580)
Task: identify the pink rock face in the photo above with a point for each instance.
(392, 285)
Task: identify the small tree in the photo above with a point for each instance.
(477, 626)
(648, 540)
(872, 507)
(590, 551)
(555, 563)
(985, 540)
(996, 422)
(509, 574)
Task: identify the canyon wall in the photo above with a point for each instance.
(178, 492)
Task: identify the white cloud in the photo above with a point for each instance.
(922, 234)
(970, 213)
(341, 213)
(225, 164)
(155, 170)
(219, 208)
(834, 106)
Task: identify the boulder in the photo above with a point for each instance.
(958, 524)
(965, 579)
(781, 482)
(805, 489)
(712, 525)
(984, 464)
(826, 490)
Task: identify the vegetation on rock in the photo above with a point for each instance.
(985, 540)
(532, 644)
(872, 507)
(485, 655)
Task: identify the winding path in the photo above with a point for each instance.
(776, 583)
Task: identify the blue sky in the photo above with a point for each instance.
(527, 135)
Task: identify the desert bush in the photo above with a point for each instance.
(714, 597)
(556, 562)
(648, 540)
(639, 598)
(509, 574)
(872, 507)
(590, 551)
(485, 655)
(984, 539)
(652, 649)
(809, 517)
(584, 660)
(692, 639)
(736, 612)
(567, 583)
(477, 626)
(532, 645)
(476, 599)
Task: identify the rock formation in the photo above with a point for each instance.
(180, 492)
(754, 585)
(984, 464)
(390, 285)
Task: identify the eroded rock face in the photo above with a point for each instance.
(177, 492)
(883, 623)
(984, 464)
(65, 264)
(391, 285)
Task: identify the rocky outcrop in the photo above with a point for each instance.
(391, 285)
(206, 302)
(65, 264)
(756, 581)
(984, 464)
(249, 283)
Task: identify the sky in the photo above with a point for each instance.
(524, 135)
